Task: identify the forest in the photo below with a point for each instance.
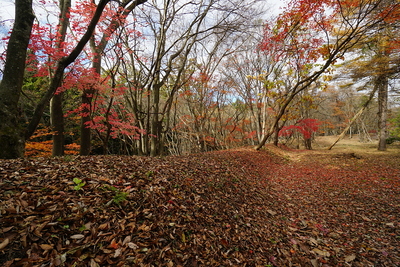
(179, 133)
(137, 77)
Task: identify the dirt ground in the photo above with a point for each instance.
(350, 146)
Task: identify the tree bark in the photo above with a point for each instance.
(57, 123)
(155, 125)
(56, 104)
(278, 117)
(87, 98)
(382, 83)
(308, 143)
(11, 131)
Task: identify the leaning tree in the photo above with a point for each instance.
(313, 35)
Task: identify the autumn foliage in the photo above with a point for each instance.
(306, 127)
(40, 145)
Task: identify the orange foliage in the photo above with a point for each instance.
(43, 149)
(72, 149)
(37, 148)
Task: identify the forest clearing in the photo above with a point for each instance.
(173, 107)
(239, 207)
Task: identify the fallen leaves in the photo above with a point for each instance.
(350, 258)
(232, 208)
(273, 213)
(46, 246)
(77, 236)
(321, 252)
(5, 242)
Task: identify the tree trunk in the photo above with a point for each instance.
(276, 137)
(308, 143)
(277, 119)
(56, 104)
(382, 83)
(155, 125)
(11, 134)
(57, 123)
(86, 132)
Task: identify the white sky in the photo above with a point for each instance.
(7, 8)
(276, 5)
(6, 13)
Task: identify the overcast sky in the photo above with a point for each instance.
(7, 7)
(7, 12)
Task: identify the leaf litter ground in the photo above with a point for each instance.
(228, 208)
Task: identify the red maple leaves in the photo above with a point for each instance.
(305, 126)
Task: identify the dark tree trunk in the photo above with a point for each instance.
(276, 137)
(155, 125)
(57, 122)
(87, 99)
(86, 132)
(308, 143)
(56, 104)
(11, 133)
(382, 113)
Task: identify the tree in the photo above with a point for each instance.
(97, 48)
(251, 75)
(11, 131)
(306, 127)
(377, 63)
(62, 64)
(56, 109)
(305, 33)
(157, 72)
(10, 94)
